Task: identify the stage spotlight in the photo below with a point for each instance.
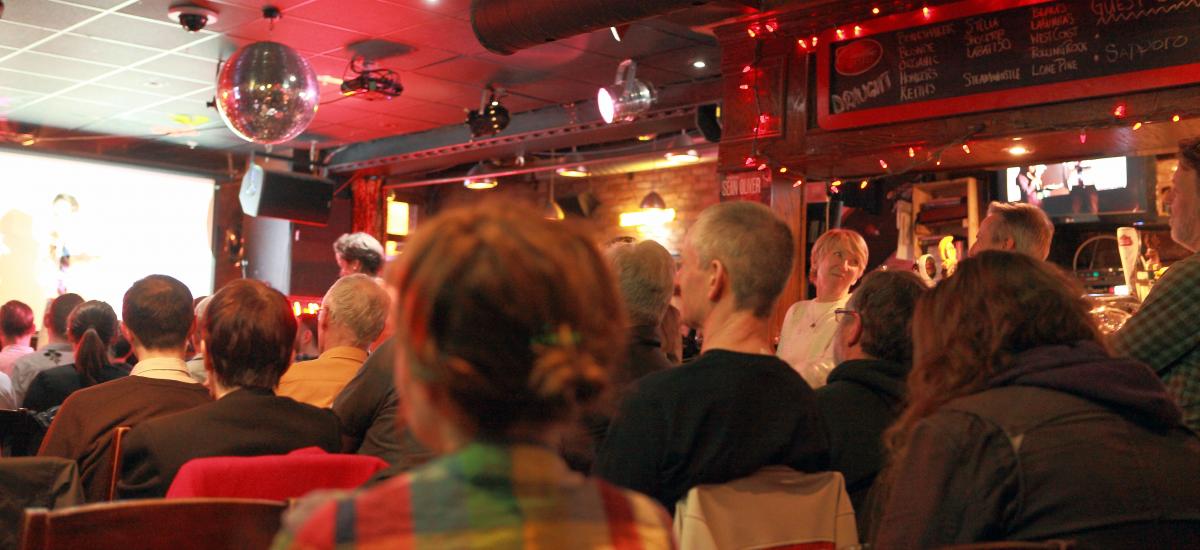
(477, 178)
(627, 98)
(491, 118)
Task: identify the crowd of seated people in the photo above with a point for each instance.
(513, 374)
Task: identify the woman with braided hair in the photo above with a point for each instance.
(507, 326)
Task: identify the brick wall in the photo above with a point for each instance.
(687, 189)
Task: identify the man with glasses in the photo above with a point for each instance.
(1164, 333)
(872, 347)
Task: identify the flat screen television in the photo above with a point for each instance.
(1118, 188)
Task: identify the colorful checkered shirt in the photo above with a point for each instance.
(486, 496)
(1165, 334)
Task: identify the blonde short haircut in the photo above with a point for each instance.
(645, 274)
(849, 238)
(358, 303)
(1027, 225)
(753, 244)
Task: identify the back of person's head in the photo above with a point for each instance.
(16, 319)
(1027, 225)
(645, 274)
(158, 311)
(833, 239)
(93, 328)
(515, 316)
(753, 244)
(307, 322)
(885, 301)
(59, 310)
(362, 248)
(248, 335)
(358, 304)
(973, 324)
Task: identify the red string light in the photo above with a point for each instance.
(1137, 126)
(863, 185)
(1082, 136)
(966, 148)
(747, 69)
(841, 34)
(875, 11)
(912, 153)
(1175, 118)
(858, 30)
(926, 12)
(883, 164)
(1120, 110)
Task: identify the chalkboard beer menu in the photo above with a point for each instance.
(983, 55)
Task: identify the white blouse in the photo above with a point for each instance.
(806, 339)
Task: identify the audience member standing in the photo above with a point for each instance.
(865, 392)
(507, 325)
(92, 328)
(352, 316)
(805, 339)
(157, 318)
(358, 253)
(1165, 332)
(16, 330)
(1021, 426)
(56, 351)
(248, 335)
(736, 408)
(1016, 227)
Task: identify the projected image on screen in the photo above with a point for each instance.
(95, 228)
(1066, 187)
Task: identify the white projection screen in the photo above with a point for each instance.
(93, 228)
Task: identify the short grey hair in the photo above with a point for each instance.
(362, 248)
(358, 303)
(753, 244)
(645, 275)
(1027, 225)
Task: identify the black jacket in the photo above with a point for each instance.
(860, 400)
(1067, 443)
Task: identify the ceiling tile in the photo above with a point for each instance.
(124, 99)
(20, 36)
(440, 91)
(102, 4)
(43, 64)
(466, 70)
(556, 59)
(96, 50)
(337, 113)
(418, 57)
(49, 15)
(680, 62)
(138, 31)
(638, 40)
(557, 90)
(62, 113)
(302, 35)
(410, 108)
(443, 32)
(372, 17)
(284, 5)
(228, 17)
(182, 66)
(152, 83)
(11, 98)
(27, 82)
(460, 9)
(193, 105)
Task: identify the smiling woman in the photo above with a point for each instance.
(838, 260)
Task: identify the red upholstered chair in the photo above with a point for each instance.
(275, 477)
(182, 524)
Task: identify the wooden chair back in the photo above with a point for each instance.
(182, 524)
(20, 432)
(118, 436)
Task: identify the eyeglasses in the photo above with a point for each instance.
(840, 314)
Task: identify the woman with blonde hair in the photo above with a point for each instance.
(507, 325)
(838, 260)
(1021, 425)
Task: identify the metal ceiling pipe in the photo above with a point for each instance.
(508, 26)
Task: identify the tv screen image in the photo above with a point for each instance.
(1073, 187)
(93, 228)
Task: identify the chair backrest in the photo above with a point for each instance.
(776, 507)
(1014, 545)
(276, 477)
(212, 524)
(20, 432)
(118, 436)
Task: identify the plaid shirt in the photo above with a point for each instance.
(486, 496)
(1165, 334)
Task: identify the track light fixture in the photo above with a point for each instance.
(627, 98)
(491, 118)
(478, 180)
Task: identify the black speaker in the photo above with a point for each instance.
(708, 120)
(288, 195)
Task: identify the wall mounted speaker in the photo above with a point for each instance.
(708, 120)
(287, 195)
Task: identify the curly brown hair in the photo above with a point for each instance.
(517, 317)
(968, 329)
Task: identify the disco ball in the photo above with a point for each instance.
(267, 93)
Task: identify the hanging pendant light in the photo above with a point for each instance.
(683, 150)
(576, 168)
(478, 180)
(653, 201)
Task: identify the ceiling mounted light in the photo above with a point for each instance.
(683, 150)
(575, 167)
(478, 180)
(653, 201)
(627, 97)
(1018, 150)
(699, 64)
(491, 118)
